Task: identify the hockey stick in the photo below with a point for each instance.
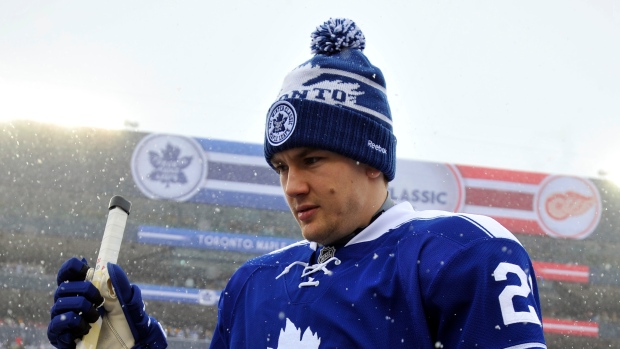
(108, 252)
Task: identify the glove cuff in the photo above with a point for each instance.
(116, 332)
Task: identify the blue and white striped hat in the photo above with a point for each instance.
(335, 101)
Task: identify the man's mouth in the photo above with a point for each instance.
(306, 212)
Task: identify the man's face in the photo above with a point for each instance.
(327, 192)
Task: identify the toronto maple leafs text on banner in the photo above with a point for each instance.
(211, 240)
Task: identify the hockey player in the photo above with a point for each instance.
(369, 273)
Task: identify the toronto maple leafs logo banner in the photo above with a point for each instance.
(171, 167)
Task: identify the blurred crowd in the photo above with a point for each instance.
(20, 334)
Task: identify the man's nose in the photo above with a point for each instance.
(296, 183)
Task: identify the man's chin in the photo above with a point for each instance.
(319, 238)
(310, 235)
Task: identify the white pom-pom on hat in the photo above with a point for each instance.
(335, 35)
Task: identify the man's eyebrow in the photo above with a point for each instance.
(302, 152)
(275, 160)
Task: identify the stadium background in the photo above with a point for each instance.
(56, 184)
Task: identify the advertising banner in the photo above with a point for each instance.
(179, 294)
(170, 167)
(211, 240)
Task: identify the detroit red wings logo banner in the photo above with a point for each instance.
(533, 203)
(524, 202)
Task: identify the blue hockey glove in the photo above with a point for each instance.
(78, 303)
(75, 305)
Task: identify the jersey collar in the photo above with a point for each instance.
(390, 219)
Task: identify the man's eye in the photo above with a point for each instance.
(280, 168)
(311, 160)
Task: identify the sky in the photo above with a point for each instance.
(524, 85)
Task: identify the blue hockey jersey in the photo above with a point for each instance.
(411, 279)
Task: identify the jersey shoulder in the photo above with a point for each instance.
(440, 238)
(463, 228)
(402, 221)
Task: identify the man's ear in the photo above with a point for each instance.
(372, 172)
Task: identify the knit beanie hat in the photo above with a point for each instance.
(335, 101)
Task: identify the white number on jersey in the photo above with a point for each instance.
(509, 313)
